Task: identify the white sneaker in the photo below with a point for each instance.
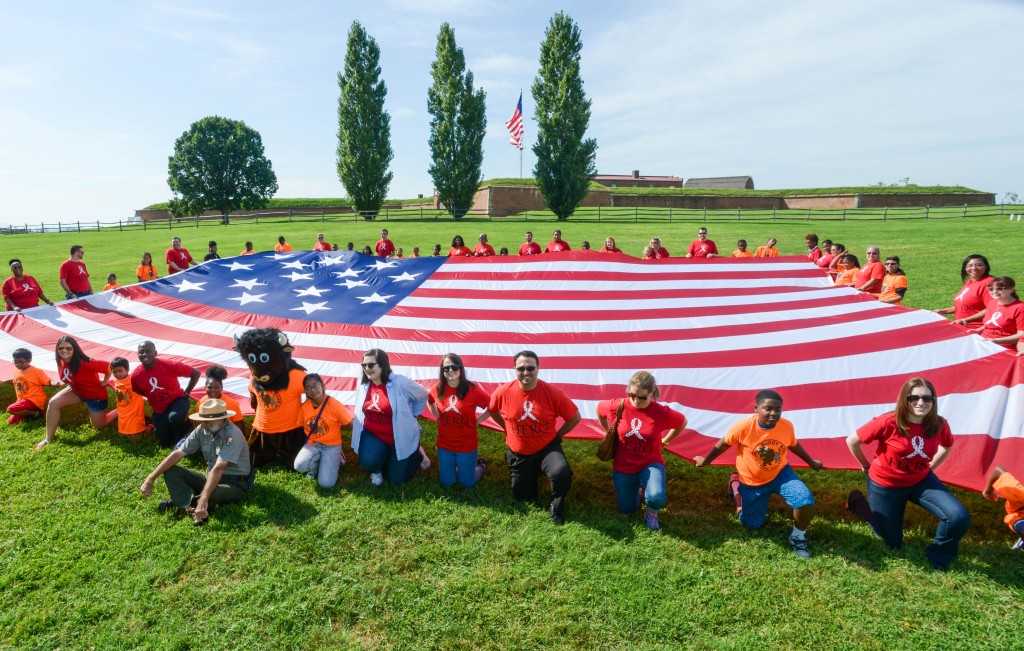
(377, 479)
(426, 460)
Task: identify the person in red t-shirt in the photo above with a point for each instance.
(384, 247)
(321, 244)
(459, 248)
(975, 274)
(1003, 316)
(657, 250)
(157, 381)
(528, 409)
(454, 402)
(869, 278)
(21, 291)
(813, 252)
(911, 442)
(529, 247)
(81, 375)
(74, 277)
(645, 426)
(1003, 484)
(177, 257)
(483, 249)
(609, 246)
(557, 244)
(702, 247)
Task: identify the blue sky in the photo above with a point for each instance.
(796, 94)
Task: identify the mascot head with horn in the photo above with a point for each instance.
(269, 356)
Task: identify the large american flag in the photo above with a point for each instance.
(515, 125)
(713, 332)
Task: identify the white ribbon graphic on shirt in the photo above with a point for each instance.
(451, 405)
(635, 424)
(373, 402)
(153, 385)
(960, 296)
(995, 319)
(528, 411)
(67, 376)
(918, 443)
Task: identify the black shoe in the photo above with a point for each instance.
(166, 505)
(557, 515)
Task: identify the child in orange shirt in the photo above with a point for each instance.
(111, 282)
(763, 441)
(28, 381)
(130, 411)
(215, 376)
(741, 250)
(146, 270)
(1003, 484)
(852, 266)
(767, 251)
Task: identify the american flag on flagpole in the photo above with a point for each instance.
(515, 125)
(712, 332)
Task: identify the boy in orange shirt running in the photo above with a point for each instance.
(28, 381)
(1003, 484)
(762, 442)
(131, 408)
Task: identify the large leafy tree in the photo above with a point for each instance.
(364, 127)
(219, 164)
(565, 158)
(457, 126)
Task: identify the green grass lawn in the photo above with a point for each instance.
(86, 563)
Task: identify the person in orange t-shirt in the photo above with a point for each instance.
(280, 247)
(762, 442)
(768, 250)
(146, 271)
(111, 282)
(323, 419)
(215, 376)
(130, 410)
(1003, 484)
(28, 381)
(248, 249)
(741, 250)
(894, 284)
(848, 275)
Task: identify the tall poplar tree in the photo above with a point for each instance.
(364, 127)
(565, 158)
(457, 126)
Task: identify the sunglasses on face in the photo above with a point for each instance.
(916, 399)
(996, 290)
(368, 365)
(526, 369)
(447, 369)
(637, 396)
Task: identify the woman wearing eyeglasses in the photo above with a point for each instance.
(894, 284)
(454, 403)
(1003, 318)
(645, 427)
(385, 431)
(911, 442)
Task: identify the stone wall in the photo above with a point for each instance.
(933, 200)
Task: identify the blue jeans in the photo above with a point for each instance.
(457, 465)
(172, 423)
(888, 504)
(377, 456)
(755, 498)
(627, 488)
(320, 461)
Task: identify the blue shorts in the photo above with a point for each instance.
(1018, 526)
(755, 498)
(95, 404)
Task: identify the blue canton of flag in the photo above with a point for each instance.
(337, 286)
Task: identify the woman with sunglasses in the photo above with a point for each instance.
(894, 284)
(454, 403)
(385, 431)
(972, 297)
(911, 442)
(645, 427)
(1003, 317)
(81, 375)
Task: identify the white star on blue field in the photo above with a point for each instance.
(336, 286)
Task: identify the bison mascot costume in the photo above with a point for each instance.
(275, 392)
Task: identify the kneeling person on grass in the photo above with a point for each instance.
(227, 462)
(762, 442)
